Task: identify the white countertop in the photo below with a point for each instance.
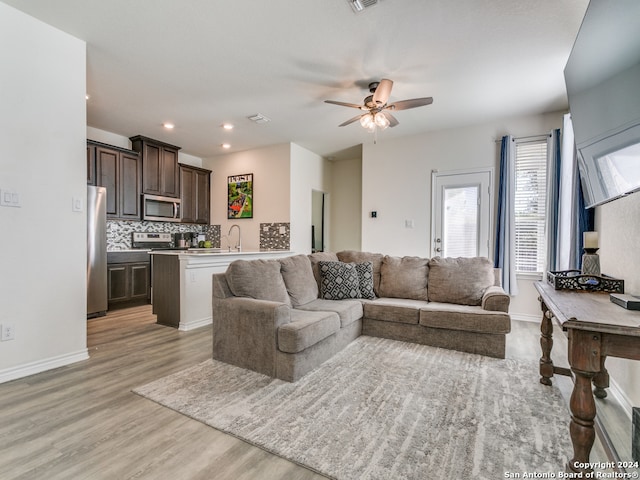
(217, 252)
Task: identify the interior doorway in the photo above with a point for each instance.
(318, 205)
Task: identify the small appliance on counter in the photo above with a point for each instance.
(185, 239)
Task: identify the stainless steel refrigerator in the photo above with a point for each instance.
(96, 251)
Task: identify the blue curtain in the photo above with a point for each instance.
(504, 255)
(554, 163)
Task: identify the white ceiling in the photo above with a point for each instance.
(200, 63)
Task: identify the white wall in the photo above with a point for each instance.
(346, 205)
(396, 182)
(271, 177)
(42, 133)
(618, 225)
(309, 172)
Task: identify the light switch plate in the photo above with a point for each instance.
(77, 205)
(9, 198)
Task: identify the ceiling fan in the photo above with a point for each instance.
(377, 110)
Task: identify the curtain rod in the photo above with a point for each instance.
(541, 135)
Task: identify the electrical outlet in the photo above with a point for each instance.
(8, 331)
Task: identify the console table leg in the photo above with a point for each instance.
(546, 343)
(601, 380)
(583, 411)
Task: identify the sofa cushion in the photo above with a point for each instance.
(464, 317)
(404, 277)
(348, 310)
(305, 329)
(353, 256)
(299, 280)
(459, 280)
(339, 280)
(259, 279)
(314, 258)
(397, 310)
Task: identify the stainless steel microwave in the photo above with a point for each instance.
(160, 209)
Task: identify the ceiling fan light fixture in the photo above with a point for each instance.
(367, 121)
(381, 120)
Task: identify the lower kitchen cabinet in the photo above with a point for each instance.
(128, 284)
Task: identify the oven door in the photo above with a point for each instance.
(161, 209)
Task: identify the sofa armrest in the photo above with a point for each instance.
(245, 332)
(495, 299)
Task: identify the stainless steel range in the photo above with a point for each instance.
(151, 240)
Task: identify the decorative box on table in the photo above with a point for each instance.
(575, 280)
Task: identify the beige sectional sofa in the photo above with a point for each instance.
(285, 317)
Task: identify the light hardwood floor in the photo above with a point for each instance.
(83, 422)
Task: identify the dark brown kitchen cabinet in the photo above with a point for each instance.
(118, 170)
(195, 194)
(91, 164)
(160, 172)
(128, 284)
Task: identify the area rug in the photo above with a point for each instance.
(384, 409)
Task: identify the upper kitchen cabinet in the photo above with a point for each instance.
(160, 172)
(195, 188)
(119, 171)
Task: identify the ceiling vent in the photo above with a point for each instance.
(259, 118)
(360, 5)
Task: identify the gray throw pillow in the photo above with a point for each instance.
(338, 280)
(365, 280)
(459, 280)
(259, 279)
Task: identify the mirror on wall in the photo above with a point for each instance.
(317, 221)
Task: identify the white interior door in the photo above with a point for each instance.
(461, 213)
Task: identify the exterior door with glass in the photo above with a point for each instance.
(461, 218)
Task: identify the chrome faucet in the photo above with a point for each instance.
(239, 245)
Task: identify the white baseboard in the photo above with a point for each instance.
(192, 325)
(32, 368)
(525, 317)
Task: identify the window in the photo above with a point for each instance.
(531, 205)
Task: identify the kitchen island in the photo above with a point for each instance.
(181, 282)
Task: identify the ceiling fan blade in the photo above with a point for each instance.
(413, 103)
(344, 104)
(383, 90)
(351, 120)
(393, 121)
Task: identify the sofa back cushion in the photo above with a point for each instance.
(404, 277)
(259, 279)
(320, 257)
(459, 280)
(299, 280)
(353, 256)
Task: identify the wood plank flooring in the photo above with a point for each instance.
(83, 422)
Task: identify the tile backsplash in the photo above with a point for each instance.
(119, 232)
(275, 236)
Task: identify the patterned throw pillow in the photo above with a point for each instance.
(365, 278)
(339, 280)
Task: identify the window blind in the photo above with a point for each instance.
(530, 206)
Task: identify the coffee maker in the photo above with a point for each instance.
(184, 239)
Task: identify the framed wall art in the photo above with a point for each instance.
(240, 196)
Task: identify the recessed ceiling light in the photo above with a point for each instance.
(168, 125)
(227, 126)
(226, 145)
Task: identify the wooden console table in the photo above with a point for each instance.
(596, 329)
